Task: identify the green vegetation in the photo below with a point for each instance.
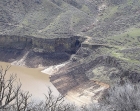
(109, 12)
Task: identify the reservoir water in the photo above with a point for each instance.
(32, 79)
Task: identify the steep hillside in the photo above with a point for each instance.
(54, 18)
(45, 18)
(100, 39)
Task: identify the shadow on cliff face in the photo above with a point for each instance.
(35, 52)
(9, 55)
(32, 59)
(45, 59)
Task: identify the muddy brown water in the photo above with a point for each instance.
(32, 79)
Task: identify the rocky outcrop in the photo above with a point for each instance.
(69, 45)
(41, 45)
(15, 42)
(41, 51)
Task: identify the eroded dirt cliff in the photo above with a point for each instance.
(34, 52)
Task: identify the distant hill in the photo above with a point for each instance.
(45, 17)
(55, 18)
